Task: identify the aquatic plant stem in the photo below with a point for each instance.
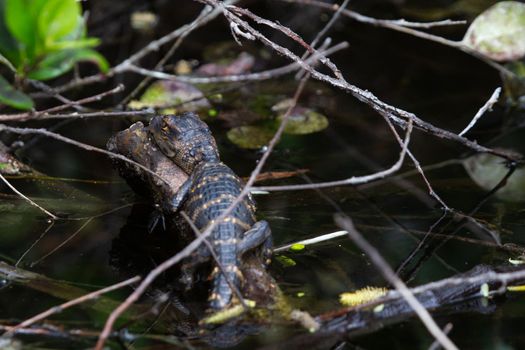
(59, 308)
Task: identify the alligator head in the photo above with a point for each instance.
(185, 139)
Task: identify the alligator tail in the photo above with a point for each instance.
(221, 295)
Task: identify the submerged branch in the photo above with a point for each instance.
(345, 223)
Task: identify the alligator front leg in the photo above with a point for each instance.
(157, 216)
(181, 195)
(259, 235)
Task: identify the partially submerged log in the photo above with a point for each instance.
(471, 291)
(136, 144)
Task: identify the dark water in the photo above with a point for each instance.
(440, 85)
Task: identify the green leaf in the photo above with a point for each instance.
(57, 19)
(302, 121)
(12, 97)
(167, 93)
(8, 46)
(73, 44)
(487, 170)
(21, 21)
(250, 137)
(297, 247)
(285, 261)
(59, 63)
(499, 32)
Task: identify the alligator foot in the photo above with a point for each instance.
(259, 235)
(181, 195)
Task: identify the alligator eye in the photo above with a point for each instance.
(192, 153)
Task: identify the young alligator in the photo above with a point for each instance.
(209, 191)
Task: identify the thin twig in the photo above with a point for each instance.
(50, 92)
(310, 241)
(257, 76)
(48, 213)
(511, 248)
(376, 21)
(487, 106)
(322, 32)
(99, 114)
(51, 224)
(435, 345)
(417, 165)
(20, 117)
(63, 243)
(354, 180)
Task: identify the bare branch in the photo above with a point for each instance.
(20, 117)
(354, 180)
(48, 213)
(404, 27)
(310, 241)
(264, 75)
(487, 106)
(98, 114)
